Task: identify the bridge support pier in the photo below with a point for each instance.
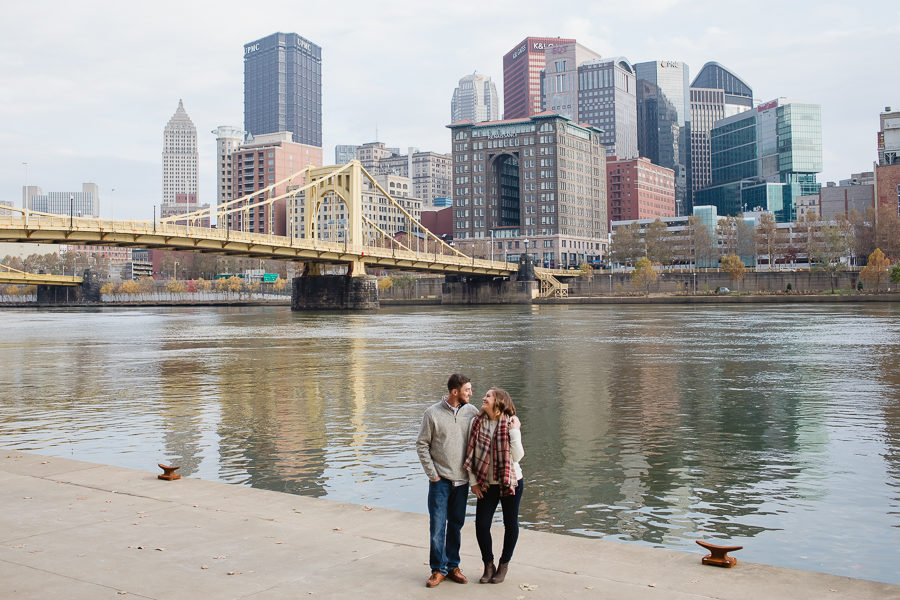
(334, 292)
(58, 294)
(487, 290)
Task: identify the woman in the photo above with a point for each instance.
(492, 460)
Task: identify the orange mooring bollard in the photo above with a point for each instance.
(170, 474)
(718, 556)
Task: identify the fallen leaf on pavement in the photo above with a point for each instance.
(367, 508)
(204, 566)
(234, 573)
(528, 587)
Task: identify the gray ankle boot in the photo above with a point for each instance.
(489, 571)
(500, 574)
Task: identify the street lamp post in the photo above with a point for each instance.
(25, 195)
(492, 246)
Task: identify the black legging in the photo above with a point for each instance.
(484, 514)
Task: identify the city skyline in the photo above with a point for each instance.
(93, 111)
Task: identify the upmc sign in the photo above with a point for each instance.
(767, 106)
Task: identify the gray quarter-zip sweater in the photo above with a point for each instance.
(442, 441)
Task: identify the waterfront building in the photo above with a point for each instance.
(522, 67)
(664, 122)
(180, 160)
(639, 189)
(344, 153)
(333, 216)
(283, 87)
(228, 139)
(260, 162)
(538, 182)
(607, 99)
(715, 93)
(475, 98)
(371, 154)
(5, 212)
(765, 158)
(430, 171)
(85, 203)
(854, 194)
(889, 137)
(887, 171)
(808, 206)
(432, 176)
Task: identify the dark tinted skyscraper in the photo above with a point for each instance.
(716, 93)
(283, 87)
(664, 122)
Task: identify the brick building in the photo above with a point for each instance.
(639, 189)
(260, 162)
(537, 182)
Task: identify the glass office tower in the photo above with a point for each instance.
(664, 122)
(283, 87)
(716, 93)
(764, 159)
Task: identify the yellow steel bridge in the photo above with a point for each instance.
(365, 243)
(8, 275)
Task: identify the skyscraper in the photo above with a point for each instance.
(716, 93)
(765, 159)
(475, 99)
(559, 80)
(283, 87)
(607, 99)
(664, 122)
(522, 68)
(179, 165)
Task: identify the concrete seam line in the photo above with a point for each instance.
(100, 585)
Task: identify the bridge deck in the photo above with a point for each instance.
(146, 234)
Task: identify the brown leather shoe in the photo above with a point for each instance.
(457, 576)
(435, 579)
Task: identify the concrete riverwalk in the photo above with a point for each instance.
(78, 530)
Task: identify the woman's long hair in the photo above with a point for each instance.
(503, 403)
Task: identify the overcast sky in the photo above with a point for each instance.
(86, 88)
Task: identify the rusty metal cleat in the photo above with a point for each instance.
(718, 555)
(169, 473)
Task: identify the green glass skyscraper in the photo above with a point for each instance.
(764, 159)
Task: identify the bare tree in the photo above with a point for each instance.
(766, 237)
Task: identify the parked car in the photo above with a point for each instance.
(722, 290)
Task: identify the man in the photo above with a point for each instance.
(442, 449)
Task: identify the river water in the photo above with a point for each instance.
(773, 427)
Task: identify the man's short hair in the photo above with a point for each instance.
(456, 381)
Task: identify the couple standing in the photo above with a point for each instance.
(459, 447)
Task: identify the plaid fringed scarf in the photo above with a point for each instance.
(485, 452)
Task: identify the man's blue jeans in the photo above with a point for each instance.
(447, 513)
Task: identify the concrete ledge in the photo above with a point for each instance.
(76, 530)
(724, 299)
